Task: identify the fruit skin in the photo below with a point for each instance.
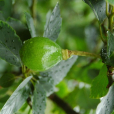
(40, 53)
(7, 80)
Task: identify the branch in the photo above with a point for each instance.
(29, 102)
(62, 104)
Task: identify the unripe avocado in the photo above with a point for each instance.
(40, 53)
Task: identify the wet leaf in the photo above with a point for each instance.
(17, 99)
(99, 8)
(39, 99)
(106, 105)
(59, 71)
(10, 44)
(53, 24)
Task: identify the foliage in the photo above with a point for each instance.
(73, 86)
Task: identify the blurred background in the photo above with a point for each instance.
(79, 31)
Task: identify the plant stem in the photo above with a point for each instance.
(68, 53)
(110, 17)
(107, 9)
(100, 27)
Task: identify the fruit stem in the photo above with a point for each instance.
(68, 53)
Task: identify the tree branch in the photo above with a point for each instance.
(62, 104)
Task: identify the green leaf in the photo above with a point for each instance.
(99, 84)
(48, 84)
(99, 8)
(20, 28)
(17, 99)
(7, 79)
(7, 8)
(30, 24)
(110, 2)
(10, 44)
(106, 105)
(53, 24)
(39, 99)
(59, 71)
(110, 44)
(80, 97)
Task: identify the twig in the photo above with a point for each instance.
(29, 102)
(62, 104)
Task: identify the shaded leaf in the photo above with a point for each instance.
(17, 99)
(48, 84)
(7, 79)
(39, 99)
(53, 24)
(99, 8)
(81, 72)
(106, 105)
(81, 97)
(20, 28)
(110, 2)
(110, 44)
(30, 24)
(59, 71)
(99, 84)
(7, 8)
(10, 44)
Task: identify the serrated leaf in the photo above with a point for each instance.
(106, 105)
(39, 99)
(17, 99)
(19, 27)
(110, 43)
(59, 71)
(53, 24)
(10, 44)
(30, 24)
(99, 84)
(48, 84)
(99, 8)
(110, 2)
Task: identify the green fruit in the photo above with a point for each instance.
(40, 54)
(7, 80)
